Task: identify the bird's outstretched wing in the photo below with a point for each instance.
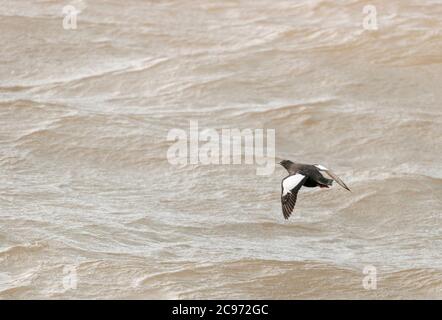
(332, 175)
(290, 186)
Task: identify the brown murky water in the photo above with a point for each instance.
(91, 208)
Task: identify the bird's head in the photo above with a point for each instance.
(286, 163)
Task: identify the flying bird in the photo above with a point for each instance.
(307, 175)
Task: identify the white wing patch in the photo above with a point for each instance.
(290, 182)
(321, 167)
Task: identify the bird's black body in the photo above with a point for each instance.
(303, 175)
(314, 176)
